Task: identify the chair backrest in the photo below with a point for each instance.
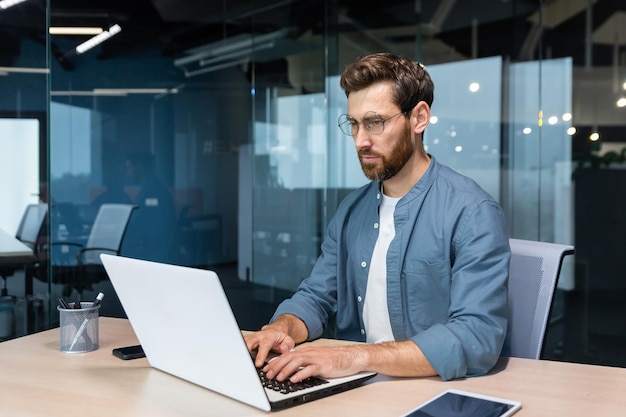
(533, 276)
(107, 232)
(31, 225)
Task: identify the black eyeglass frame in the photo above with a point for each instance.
(371, 123)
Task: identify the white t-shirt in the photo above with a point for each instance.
(375, 311)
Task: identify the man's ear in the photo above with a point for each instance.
(421, 113)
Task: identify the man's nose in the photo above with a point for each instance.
(362, 139)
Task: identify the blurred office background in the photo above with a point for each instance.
(215, 122)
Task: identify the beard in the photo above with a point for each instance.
(390, 164)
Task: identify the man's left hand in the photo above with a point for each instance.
(327, 362)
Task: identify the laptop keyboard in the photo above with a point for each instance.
(287, 387)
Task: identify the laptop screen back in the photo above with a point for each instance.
(185, 324)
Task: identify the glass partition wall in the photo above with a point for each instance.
(217, 121)
(24, 86)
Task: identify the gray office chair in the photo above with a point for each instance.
(32, 224)
(106, 236)
(533, 275)
(107, 233)
(31, 231)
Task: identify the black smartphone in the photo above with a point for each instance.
(129, 352)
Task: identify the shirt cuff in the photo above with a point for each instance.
(443, 350)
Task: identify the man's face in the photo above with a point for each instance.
(382, 166)
(381, 156)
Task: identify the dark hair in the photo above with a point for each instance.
(411, 83)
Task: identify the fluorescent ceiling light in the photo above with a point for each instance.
(227, 52)
(98, 39)
(23, 70)
(75, 30)
(226, 47)
(115, 91)
(235, 54)
(5, 4)
(216, 67)
(125, 91)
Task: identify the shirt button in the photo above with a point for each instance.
(363, 264)
(359, 298)
(362, 331)
(378, 196)
(375, 225)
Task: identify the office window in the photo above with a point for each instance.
(19, 169)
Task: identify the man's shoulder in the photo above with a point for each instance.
(463, 184)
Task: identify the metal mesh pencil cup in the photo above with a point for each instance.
(79, 328)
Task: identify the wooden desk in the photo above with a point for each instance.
(38, 380)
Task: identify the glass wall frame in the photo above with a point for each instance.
(24, 162)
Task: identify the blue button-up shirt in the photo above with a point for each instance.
(447, 272)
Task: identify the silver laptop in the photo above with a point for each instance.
(186, 327)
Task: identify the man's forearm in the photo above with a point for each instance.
(394, 358)
(390, 358)
(291, 325)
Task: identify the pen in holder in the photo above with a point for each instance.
(79, 328)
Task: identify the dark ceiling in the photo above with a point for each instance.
(174, 26)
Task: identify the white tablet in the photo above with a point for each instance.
(457, 403)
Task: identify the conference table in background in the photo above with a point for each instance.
(12, 250)
(14, 256)
(36, 379)
(13, 253)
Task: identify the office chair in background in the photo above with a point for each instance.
(533, 275)
(31, 231)
(106, 236)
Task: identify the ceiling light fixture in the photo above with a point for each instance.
(98, 39)
(5, 4)
(60, 30)
(116, 91)
(227, 52)
(235, 54)
(227, 64)
(126, 91)
(23, 70)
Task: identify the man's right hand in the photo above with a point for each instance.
(268, 340)
(280, 336)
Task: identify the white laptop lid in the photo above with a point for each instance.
(186, 327)
(181, 331)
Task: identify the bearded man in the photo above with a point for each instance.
(415, 263)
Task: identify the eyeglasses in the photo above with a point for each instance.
(372, 122)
